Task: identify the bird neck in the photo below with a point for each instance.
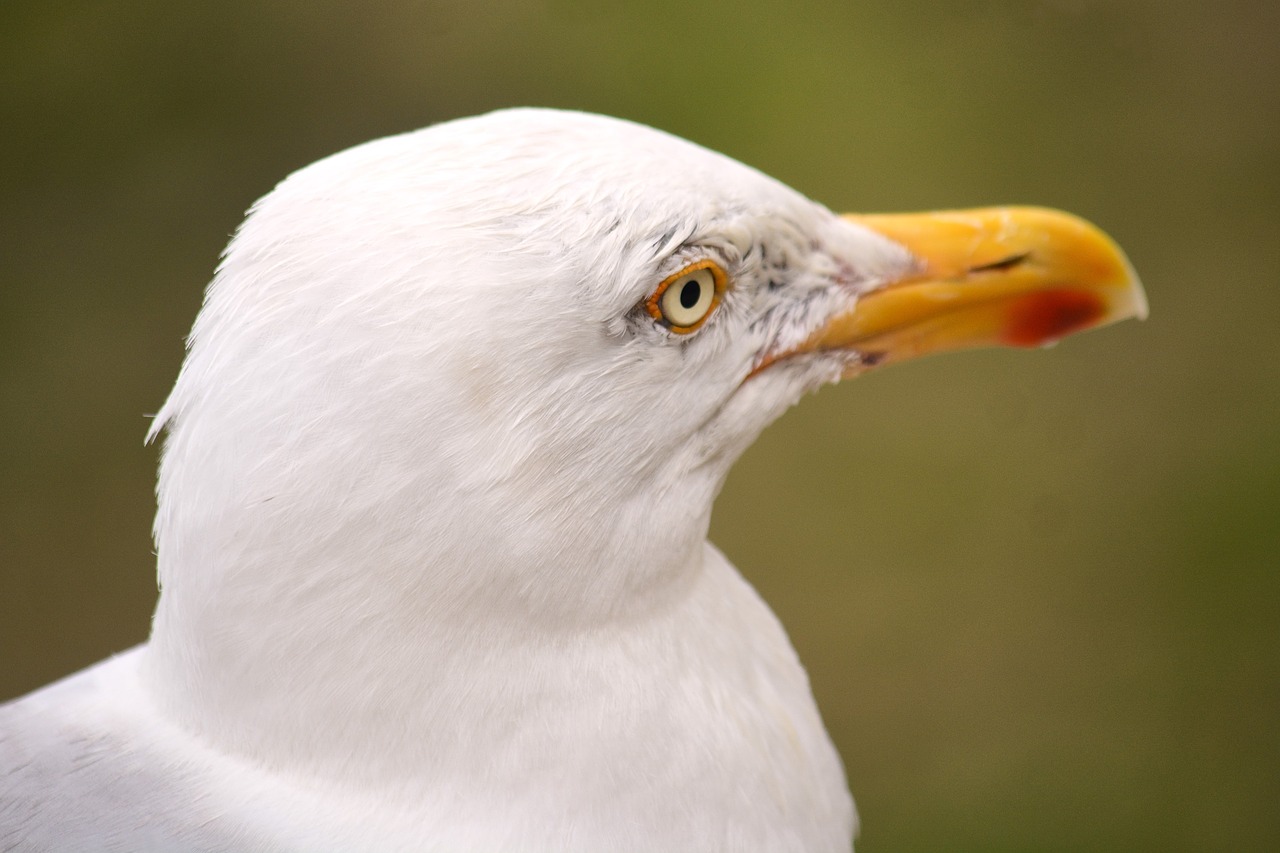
(386, 691)
(338, 593)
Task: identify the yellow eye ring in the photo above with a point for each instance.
(684, 301)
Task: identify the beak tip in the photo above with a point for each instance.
(1141, 308)
(1132, 303)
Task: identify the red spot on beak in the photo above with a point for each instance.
(1040, 318)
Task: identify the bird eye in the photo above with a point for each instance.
(683, 301)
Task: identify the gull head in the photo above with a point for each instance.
(488, 377)
(509, 358)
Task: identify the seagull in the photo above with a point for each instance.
(434, 495)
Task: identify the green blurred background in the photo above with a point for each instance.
(1037, 592)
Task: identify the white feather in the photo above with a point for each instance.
(432, 517)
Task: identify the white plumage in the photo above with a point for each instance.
(432, 520)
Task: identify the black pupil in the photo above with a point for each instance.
(690, 293)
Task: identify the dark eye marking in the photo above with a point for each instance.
(666, 237)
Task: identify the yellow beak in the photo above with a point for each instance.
(1001, 276)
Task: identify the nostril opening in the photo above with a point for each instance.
(1004, 264)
